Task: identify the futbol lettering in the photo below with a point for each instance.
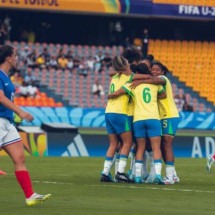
(42, 2)
(53, 3)
(10, 1)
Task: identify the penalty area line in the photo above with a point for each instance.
(158, 187)
(53, 182)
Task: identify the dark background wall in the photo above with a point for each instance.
(95, 29)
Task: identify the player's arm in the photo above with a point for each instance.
(152, 80)
(123, 90)
(10, 105)
(161, 93)
(140, 77)
(116, 94)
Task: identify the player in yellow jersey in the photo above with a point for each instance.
(134, 57)
(170, 119)
(146, 122)
(117, 124)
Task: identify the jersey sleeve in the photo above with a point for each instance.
(127, 89)
(162, 77)
(131, 77)
(160, 89)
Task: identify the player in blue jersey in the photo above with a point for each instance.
(10, 140)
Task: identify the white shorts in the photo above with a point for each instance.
(8, 133)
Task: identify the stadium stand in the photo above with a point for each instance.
(189, 57)
(181, 57)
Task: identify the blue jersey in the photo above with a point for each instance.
(9, 90)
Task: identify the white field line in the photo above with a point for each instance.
(158, 187)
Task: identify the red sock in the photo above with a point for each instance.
(213, 157)
(24, 180)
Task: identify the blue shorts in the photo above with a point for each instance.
(117, 123)
(170, 125)
(130, 120)
(147, 128)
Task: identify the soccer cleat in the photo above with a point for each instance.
(176, 179)
(209, 163)
(130, 175)
(138, 180)
(145, 177)
(158, 180)
(106, 178)
(36, 199)
(122, 177)
(150, 179)
(2, 172)
(168, 181)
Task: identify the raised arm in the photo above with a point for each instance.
(140, 77)
(150, 80)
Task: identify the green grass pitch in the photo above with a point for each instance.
(75, 187)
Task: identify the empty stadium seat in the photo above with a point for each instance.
(191, 63)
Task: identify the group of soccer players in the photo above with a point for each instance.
(141, 105)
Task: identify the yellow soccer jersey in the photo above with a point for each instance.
(167, 107)
(145, 100)
(130, 107)
(119, 104)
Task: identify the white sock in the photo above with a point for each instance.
(133, 169)
(174, 172)
(138, 169)
(152, 164)
(116, 163)
(107, 166)
(169, 172)
(132, 156)
(145, 165)
(122, 163)
(132, 160)
(114, 160)
(158, 167)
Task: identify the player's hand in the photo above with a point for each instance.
(26, 116)
(111, 96)
(135, 84)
